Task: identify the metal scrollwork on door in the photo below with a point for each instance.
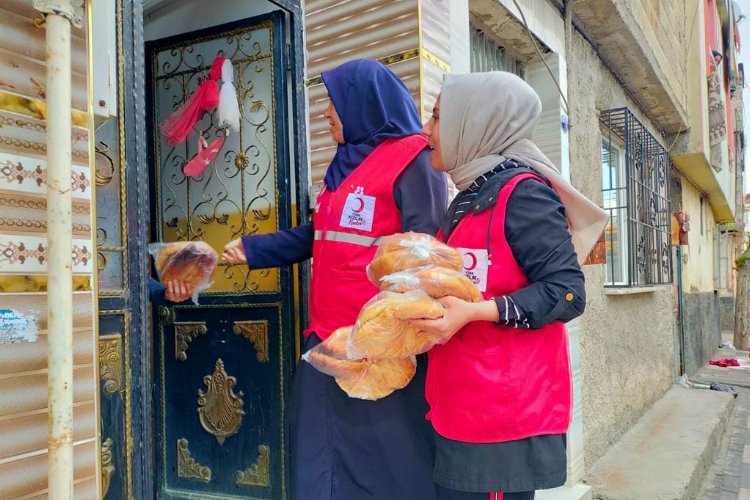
(220, 409)
(257, 333)
(107, 468)
(187, 467)
(110, 367)
(236, 195)
(111, 226)
(184, 333)
(258, 473)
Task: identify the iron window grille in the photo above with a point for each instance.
(487, 55)
(635, 188)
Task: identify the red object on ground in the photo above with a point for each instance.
(724, 362)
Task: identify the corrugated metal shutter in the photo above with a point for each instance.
(386, 30)
(435, 48)
(23, 279)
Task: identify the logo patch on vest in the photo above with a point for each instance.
(359, 211)
(476, 263)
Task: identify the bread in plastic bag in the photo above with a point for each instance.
(436, 281)
(379, 378)
(403, 251)
(190, 261)
(359, 378)
(383, 331)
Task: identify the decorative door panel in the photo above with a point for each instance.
(223, 368)
(222, 380)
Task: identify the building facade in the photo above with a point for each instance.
(642, 112)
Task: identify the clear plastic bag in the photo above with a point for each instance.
(436, 281)
(383, 331)
(190, 261)
(359, 378)
(325, 355)
(379, 378)
(409, 250)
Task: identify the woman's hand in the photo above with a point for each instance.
(178, 291)
(457, 314)
(234, 252)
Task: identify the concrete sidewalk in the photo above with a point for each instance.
(727, 478)
(667, 453)
(729, 475)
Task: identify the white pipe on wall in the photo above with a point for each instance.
(59, 259)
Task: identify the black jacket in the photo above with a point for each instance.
(537, 232)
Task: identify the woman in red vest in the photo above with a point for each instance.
(499, 388)
(380, 182)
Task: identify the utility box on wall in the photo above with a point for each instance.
(680, 228)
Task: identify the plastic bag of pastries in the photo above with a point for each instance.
(360, 378)
(436, 281)
(383, 331)
(403, 251)
(190, 261)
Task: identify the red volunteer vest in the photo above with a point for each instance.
(348, 223)
(493, 383)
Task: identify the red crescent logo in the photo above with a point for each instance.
(361, 205)
(473, 261)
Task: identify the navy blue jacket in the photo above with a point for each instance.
(421, 194)
(156, 292)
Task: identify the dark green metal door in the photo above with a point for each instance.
(223, 368)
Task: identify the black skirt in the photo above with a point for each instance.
(535, 463)
(350, 449)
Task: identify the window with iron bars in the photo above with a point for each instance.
(488, 55)
(635, 188)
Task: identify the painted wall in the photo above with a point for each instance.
(702, 327)
(699, 257)
(692, 150)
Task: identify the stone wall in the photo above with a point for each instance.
(701, 329)
(664, 26)
(645, 43)
(627, 341)
(726, 313)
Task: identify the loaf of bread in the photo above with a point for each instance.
(359, 378)
(190, 261)
(379, 378)
(409, 250)
(383, 331)
(436, 281)
(329, 356)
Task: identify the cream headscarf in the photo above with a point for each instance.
(488, 117)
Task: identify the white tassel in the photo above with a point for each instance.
(229, 108)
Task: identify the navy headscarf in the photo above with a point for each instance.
(373, 105)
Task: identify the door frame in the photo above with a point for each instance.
(140, 356)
